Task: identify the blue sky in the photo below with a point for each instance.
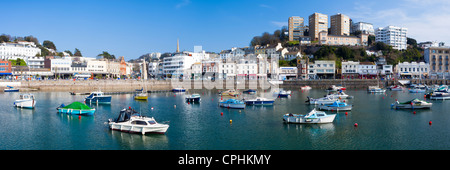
(131, 28)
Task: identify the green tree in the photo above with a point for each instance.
(48, 44)
(69, 52)
(77, 52)
(106, 55)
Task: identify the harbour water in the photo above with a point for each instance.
(202, 127)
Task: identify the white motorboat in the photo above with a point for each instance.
(336, 106)
(312, 117)
(340, 95)
(335, 88)
(284, 93)
(25, 101)
(323, 100)
(418, 89)
(259, 101)
(375, 89)
(306, 88)
(412, 104)
(396, 88)
(439, 96)
(132, 122)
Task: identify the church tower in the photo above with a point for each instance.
(178, 46)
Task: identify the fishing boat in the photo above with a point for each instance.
(76, 108)
(284, 93)
(250, 91)
(335, 88)
(230, 92)
(25, 101)
(132, 122)
(232, 104)
(193, 98)
(418, 89)
(375, 89)
(259, 101)
(141, 96)
(180, 89)
(340, 95)
(98, 97)
(336, 106)
(323, 100)
(412, 104)
(396, 88)
(305, 87)
(312, 117)
(11, 89)
(439, 96)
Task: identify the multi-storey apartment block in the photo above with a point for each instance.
(317, 23)
(295, 28)
(392, 35)
(340, 24)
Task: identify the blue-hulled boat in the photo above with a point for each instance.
(284, 93)
(259, 101)
(250, 91)
(11, 89)
(98, 97)
(336, 106)
(233, 104)
(179, 90)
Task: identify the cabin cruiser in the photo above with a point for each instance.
(335, 88)
(259, 101)
(25, 101)
(132, 122)
(439, 95)
(396, 88)
(418, 89)
(98, 97)
(284, 93)
(412, 104)
(375, 89)
(340, 95)
(230, 92)
(193, 98)
(323, 100)
(312, 117)
(336, 106)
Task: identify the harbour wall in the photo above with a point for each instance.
(164, 85)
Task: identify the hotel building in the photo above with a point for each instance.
(438, 59)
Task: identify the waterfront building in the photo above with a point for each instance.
(438, 60)
(5, 68)
(61, 67)
(287, 73)
(317, 23)
(295, 27)
(154, 69)
(20, 49)
(177, 64)
(363, 27)
(326, 39)
(34, 62)
(367, 70)
(302, 68)
(393, 36)
(349, 69)
(112, 68)
(247, 69)
(340, 24)
(412, 70)
(322, 69)
(227, 70)
(384, 70)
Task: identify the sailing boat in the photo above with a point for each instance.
(142, 95)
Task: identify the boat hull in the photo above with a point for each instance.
(178, 90)
(440, 96)
(194, 99)
(99, 99)
(417, 91)
(11, 90)
(232, 106)
(301, 120)
(76, 111)
(140, 97)
(249, 102)
(345, 108)
(142, 129)
(29, 104)
(409, 106)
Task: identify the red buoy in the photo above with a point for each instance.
(414, 112)
(430, 122)
(356, 124)
(346, 113)
(221, 113)
(79, 117)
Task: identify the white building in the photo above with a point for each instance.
(247, 69)
(367, 70)
(61, 66)
(364, 27)
(412, 70)
(350, 69)
(34, 62)
(18, 50)
(322, 69)
(177, 64)
(392, 35)
(287, 73)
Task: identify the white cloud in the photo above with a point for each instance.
(279, 24)
(182, 4)
(426, 20)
